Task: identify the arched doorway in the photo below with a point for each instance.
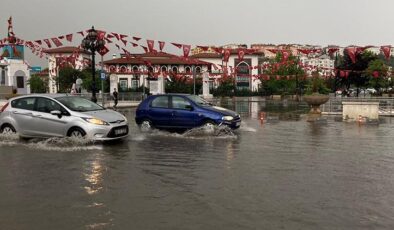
(242, 79)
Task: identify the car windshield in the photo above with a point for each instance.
(198, 100)
(79, 104)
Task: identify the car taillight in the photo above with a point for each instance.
(4, 107)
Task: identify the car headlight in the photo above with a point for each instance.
(227, 118)
(95, 121)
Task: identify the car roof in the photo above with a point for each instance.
(43, 95)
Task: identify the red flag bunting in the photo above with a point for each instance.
(124, 42)
(56, 41)
(351, 51)
(241, 54)
(186, 50)
(226, 55)
(103, 51)
(151, 44)
(145, 48)
(177, 45)
(110, 36)
(117, 46)
(48, 43)
(69, 37)
(134, 44)
(136, 38)
(81, 33)
(61, 37)
(122, 36)
(116, 36)
(39, 42)
(161, 45)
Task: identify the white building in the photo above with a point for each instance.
(323, 63)
(245, 70)
(139, 69)
(14, 71)
(58, 57)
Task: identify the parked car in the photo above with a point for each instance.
(61, 115)
(182, 111)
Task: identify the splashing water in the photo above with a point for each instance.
(199, 132)
(50, 144)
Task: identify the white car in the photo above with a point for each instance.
(61, 115)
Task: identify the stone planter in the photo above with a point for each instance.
(314, 101)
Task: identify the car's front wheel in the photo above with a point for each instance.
(146, 126)
(76, 133)
(209, 126)
(7, 129)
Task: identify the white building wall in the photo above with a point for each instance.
(53, 70)
(16, 68)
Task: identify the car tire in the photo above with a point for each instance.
(209, 126)
(7, 129)
(76, 133)
(146, 125)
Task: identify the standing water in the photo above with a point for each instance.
(282, 173)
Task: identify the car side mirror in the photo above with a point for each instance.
(56, 113)
(189, 107)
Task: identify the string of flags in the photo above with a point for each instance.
(124, 42)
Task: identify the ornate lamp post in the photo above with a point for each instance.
(93, 43)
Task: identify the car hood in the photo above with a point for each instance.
(106, 115)
(224, 111)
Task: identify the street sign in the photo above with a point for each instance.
(102, 76)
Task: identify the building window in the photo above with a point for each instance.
(188, 69)
(243, 76)
(198, 69)
(135, 84)
(174, 69)
(20, 82)
(123, 84)
(164, 69)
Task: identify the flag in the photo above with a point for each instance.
(56, 41)
(151, 44)
(69, 37)
(48, 43)
(161, 45)
(177, 45)
(186, 50)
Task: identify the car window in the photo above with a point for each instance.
(46, 105)
(160, 102)
(180, 103)
(79, 104)
(24, 103)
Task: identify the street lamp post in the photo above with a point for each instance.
(93, 43)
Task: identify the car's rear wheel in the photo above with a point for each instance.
(76, 133)
(7, 129)
(146, 125)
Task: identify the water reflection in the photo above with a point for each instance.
(94, 176)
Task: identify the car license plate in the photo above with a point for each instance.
(120, 131)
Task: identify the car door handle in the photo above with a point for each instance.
(36, 115)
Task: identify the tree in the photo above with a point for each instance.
(377, 73)
(355, 77)
(37, 84)
(283, 67)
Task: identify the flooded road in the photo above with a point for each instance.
(283, 174)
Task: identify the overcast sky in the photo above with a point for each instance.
(208, 22)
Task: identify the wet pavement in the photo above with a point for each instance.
(283, 174)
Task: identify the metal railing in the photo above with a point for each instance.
(334, 104)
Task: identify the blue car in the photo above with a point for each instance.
(182, 111)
